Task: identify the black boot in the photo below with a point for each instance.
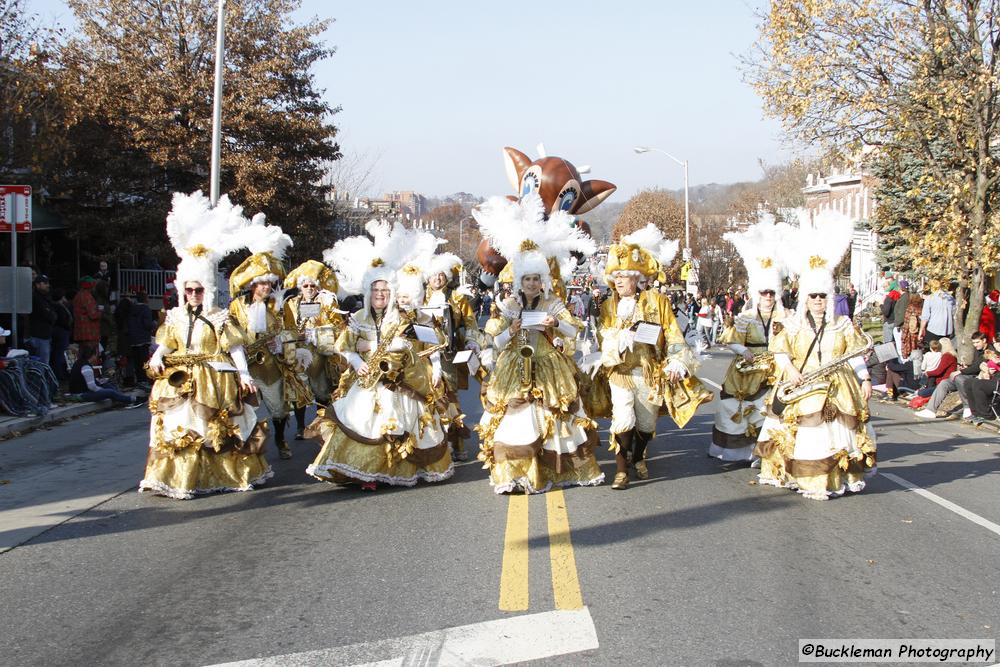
(284, 451)
(300, 423)
(642, 439)
(624, 441)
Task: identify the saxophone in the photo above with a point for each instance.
(525, 353)
(256, 350)
(380, 364)
(177, 368)
(817, 381)
(760, 362)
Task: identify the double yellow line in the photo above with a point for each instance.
(514, 594)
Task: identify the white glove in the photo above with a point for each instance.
(156, 361)
(677, 367)
(303, 357)
(275, 345)
(626, 340)
(486, 358)
(399, 344)
(354, 360)
(436, 373)
(472, 345)
(310, 336)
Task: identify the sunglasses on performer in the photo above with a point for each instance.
(766, 292)
(817, 295)
(194, 290)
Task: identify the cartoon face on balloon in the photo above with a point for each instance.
(560, 187)
(556, 181)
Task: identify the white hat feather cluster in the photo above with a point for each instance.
(760, 247)
(202, 235)
(520, 232)
(814, 249)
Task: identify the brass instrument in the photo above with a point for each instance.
(760, 362)
(177, 368)
(525, 352)
(380, 364)
(256, 350)
(817, 381)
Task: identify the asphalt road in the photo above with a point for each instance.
(696, 566)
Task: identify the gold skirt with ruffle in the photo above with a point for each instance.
(185, 473)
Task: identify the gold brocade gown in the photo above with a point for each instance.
(534, 433)
(323, 372)
(203, 438)
(822, 445)
(274, 374)
(740, 411)
(392, 432)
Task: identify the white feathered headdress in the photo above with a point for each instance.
(411, 275)
(447, 263)
(360, 261)
(520, 232)
(814, 249)
(202, 236)
(760, 248)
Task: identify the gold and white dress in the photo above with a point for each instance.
(390, 431)
(323, 372)
(202, 437)
(274, 374)
(534, 433)
(740, 411)
(822, 445)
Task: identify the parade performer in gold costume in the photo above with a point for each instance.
(314, 308)
(646, 378)
(534, 433)
(203, 436)
(740, 411)
(384, 423)
(454, 310)
(817, 440)
(272, 353)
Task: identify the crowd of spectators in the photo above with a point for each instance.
(87, 341)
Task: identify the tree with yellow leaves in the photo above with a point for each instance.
(916, 80)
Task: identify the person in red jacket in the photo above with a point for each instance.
(987, 320)
(947, 365)
(86, 315)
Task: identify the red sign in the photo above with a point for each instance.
(15, 201)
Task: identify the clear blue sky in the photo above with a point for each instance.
(435, 89)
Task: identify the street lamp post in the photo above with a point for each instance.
(220, 54)
(687, 210)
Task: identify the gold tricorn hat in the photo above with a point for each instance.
(630, 257)
(318, 271)
(260, 266)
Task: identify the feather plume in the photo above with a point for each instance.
(649, 237)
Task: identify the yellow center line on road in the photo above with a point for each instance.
(565, 582)
(514, 573)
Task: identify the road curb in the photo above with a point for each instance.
(13, 428)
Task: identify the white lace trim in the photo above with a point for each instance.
(320, 472)
(159, 488)
(522, 483)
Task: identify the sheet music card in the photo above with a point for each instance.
(307, 310)
(532, 319)
(425, 334)
(647, 333)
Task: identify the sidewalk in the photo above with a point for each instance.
(952, 409)
(12, 427)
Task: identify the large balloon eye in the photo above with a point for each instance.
(529, 183)
(566, 199)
